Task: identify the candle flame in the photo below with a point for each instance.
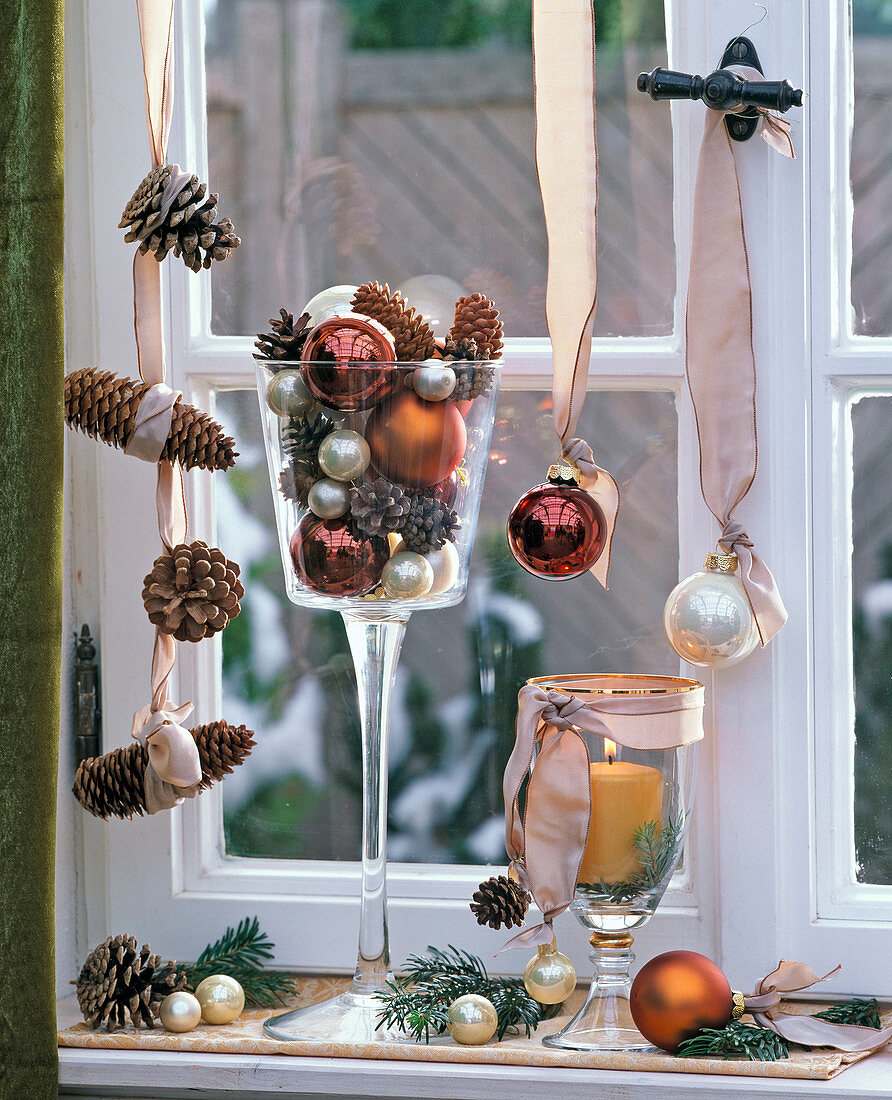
(610, 750)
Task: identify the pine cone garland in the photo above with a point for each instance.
(476, 318)
(379, 507)
(428, 524)
(301, 436)
(187, 228)
(471, 382)
(112, 785)
(412, 335)
(104, 406)
(193, 592)
(500, 900)
(286, 341)
(117, 981)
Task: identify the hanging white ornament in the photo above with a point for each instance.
(549, 977)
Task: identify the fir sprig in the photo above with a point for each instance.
(735, 1040)
(657, 848)
(417, 1002)
(242, 953)
(863, 1012)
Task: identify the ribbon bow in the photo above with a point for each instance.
(174, 769)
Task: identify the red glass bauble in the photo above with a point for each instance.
(676, 994)
(416, 443)
(327, 558)
(556, 531)
(337, 347)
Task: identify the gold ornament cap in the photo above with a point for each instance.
(564, 471)
(739, 1004)
(721, 563)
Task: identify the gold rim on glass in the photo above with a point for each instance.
(675, 685)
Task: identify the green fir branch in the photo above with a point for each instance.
(735, 1040)
(657, 848)
(242, 953)
(862, 1012)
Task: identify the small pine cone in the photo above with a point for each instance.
(476, 318)
(471, 382)
(117, 981)
(193, 592)
(461, 349)
(295, 482)
(500, 901)
(378, 507)
(112, 785)
(187, 229)
(286, 341)
(412, 335)
(104, 406)
(428, 524)
(301, 437)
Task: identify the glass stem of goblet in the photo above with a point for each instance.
(375, 645)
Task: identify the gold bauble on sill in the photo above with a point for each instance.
(472, 1020)
(180, 1012)
(549, 977)
(221, 998)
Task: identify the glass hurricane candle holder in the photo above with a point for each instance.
(641, 807)
(377, 472)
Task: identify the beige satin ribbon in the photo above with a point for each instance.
(792, 977)
(720, 362)
(547, 844)
(567, 165)
(174, 769)
(152, 425)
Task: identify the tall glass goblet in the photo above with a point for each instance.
(355, 451)
(641, 806)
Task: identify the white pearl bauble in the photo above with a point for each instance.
(344, 455)
(549, 977)
(434, 297)
(287, 395)
(445, 564)
(221, 998)
(328, 498)
(180, 1012)
(407, 576)
(709, 621)
(472, 1020)
(331, 302)
(433, 383)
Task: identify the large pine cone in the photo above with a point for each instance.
(117, 981)
(476, 318)
(379, 507)
(428, 524)
(500, 901)
(104, 406)
(412, 336)
(112, 785)
(193, 592)
(286, 341)
(301, 437)
(188, 227)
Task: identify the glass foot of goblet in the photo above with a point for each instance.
(605, 1020)
(350, 1018)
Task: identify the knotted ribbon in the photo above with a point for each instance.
(567, 166)
(792, 977)
(546, 845)
(720, 362)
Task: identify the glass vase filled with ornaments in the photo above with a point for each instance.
(377, 436)
(641, 803)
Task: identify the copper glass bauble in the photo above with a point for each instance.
(556, 531)
(339, 349)
(416, 443)
(676, 994)
(328, 558)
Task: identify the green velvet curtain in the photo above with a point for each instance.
(31, 370)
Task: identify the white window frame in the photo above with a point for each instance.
(761, 880)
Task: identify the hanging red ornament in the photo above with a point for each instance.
(328, 558)
(416, 443)
(556, 530)
(677, 993)
(337, 347)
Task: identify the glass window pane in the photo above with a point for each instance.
(391, 139)
(872, 626)
(287, 670)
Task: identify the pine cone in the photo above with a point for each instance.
(187, 228)
(461, 349)
(379, 507)
(476, 318)
(500, 900)
(193, 592)
(112, 785)
(471, 382)
(104, 406)
(428, 524)
(286, 341)
(412, 335)
(117, 980)
(295, 482)
(301, 437)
